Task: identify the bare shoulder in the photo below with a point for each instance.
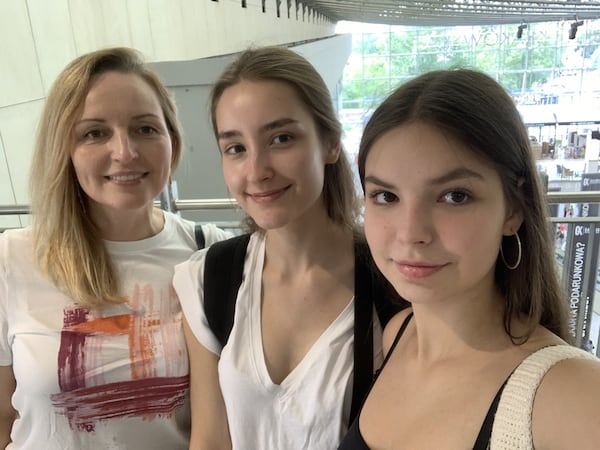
(391, 329)
(570, 392)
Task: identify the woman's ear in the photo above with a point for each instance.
(513, 223)
(333, 153)
(514, 219)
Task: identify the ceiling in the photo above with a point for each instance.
(454, 12)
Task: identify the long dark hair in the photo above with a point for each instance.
(475, 109)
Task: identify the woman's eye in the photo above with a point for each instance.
(282, 139)
(456, 197)
(383, 197)
(93, 134)
(147, 129)
(233, 150)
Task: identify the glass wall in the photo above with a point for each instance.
(542, 67)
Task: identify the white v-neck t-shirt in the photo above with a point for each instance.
(310, 408)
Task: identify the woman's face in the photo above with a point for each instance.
(273, 157)
(123, 151)
(435, 214)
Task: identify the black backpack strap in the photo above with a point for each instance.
(370, 288)
(363, 330)
(199, 235)
(223, 274)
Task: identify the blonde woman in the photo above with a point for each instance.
(92, 352)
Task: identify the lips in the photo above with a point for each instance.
(125, 178)
(268, 196)
(416, 270)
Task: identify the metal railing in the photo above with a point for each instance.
(180, 205)
(553, 198)
(579, 269)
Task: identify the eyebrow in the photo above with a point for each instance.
(456, 174)
(266, 127)
(94, 119)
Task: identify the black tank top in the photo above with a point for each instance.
(354, 440)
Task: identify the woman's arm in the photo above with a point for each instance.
(566, 409)
(7, 413)
(209, 417)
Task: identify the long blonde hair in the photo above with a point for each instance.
(66, 243)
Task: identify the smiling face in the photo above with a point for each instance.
(122, 153)
(273, 157)
(434, 215)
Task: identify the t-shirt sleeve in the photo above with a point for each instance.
(188, 284)
(5, 349)
(213, 234)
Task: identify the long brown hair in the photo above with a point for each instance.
(285, 65)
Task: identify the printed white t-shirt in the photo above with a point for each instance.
(106, 378)
(310, 409)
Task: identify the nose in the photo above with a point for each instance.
(123, 147)
(414, 225)
(259, 165)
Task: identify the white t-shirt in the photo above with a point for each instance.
(310, 409)
(115, 377)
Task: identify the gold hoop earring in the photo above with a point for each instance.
(519, 254)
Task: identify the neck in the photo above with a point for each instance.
(297, 250)
(130, 225)
(469, 325)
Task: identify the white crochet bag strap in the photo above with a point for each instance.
(512, 422)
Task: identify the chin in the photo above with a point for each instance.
(271, 223)
(129, 206)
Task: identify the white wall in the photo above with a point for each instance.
(39, 37)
